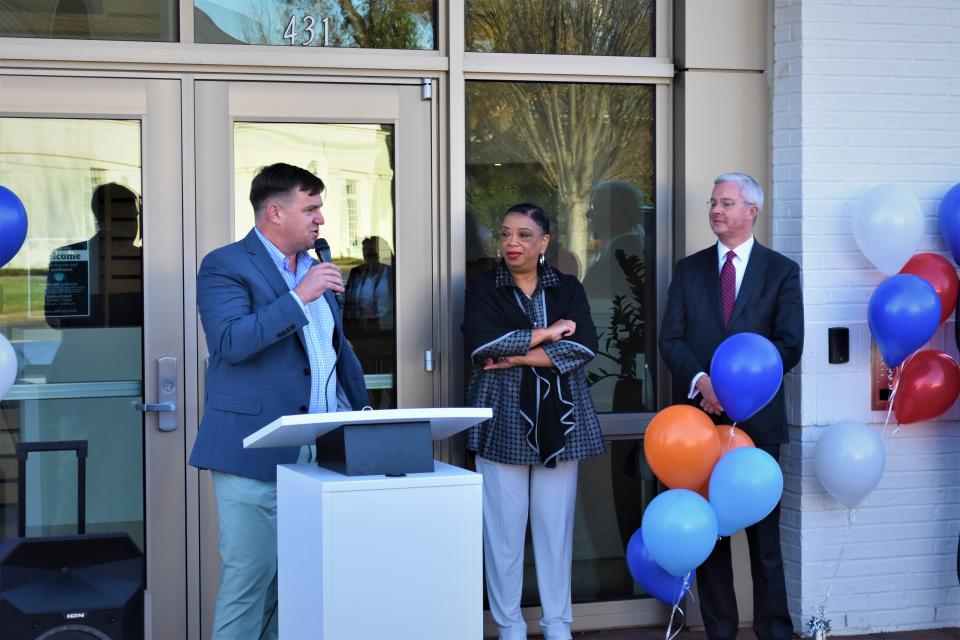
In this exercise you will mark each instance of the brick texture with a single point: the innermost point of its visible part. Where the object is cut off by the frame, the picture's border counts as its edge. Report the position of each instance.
(865, 92)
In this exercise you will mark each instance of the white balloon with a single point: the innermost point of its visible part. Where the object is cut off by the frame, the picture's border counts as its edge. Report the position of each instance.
(888, 227)
(8, 366)
(849, 459)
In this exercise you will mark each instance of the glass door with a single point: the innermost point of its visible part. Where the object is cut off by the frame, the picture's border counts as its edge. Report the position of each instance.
(87, 304)
(371, 145)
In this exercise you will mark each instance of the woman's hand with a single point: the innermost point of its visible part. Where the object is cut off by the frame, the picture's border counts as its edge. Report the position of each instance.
(561, 329)
(505, 362)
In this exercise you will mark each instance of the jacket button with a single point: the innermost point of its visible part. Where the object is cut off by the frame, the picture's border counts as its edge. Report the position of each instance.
(303, 408)
(306, 371)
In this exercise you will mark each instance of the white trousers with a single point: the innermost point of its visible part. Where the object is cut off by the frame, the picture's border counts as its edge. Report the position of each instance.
(510, 493)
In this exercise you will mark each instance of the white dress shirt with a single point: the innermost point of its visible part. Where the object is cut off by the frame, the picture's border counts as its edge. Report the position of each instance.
(740, 263)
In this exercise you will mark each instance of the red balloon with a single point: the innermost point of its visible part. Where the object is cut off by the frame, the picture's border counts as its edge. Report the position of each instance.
(928, 386)
(941, 275)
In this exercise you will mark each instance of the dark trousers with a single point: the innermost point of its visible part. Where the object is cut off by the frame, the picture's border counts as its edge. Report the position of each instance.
(718, 603)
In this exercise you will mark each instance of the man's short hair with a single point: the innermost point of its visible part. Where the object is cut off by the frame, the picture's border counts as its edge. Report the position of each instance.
(280, 179)
(750, 189)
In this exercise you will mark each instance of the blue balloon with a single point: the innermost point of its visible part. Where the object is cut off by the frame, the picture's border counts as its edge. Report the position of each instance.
(648, 574)
(745, 486)
(949, 214)
(679, 530)
(903, 314)
(746, 372)
(13, 225)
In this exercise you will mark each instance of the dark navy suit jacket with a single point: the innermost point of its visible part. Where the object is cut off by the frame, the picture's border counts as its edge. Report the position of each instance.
(258, 368)
(770, 303)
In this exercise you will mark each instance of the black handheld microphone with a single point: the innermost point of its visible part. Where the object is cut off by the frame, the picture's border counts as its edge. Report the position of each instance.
(322, 250)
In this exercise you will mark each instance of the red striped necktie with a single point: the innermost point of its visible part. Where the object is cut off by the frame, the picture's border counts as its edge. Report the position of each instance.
(728, 287)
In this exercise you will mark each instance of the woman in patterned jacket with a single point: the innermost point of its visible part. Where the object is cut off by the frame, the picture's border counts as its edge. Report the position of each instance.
(529, 333)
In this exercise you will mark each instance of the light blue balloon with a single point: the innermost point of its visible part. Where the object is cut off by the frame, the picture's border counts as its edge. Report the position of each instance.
(849, 460)
(903, 314)
(679, 530)
(746, 372)
(745, 486)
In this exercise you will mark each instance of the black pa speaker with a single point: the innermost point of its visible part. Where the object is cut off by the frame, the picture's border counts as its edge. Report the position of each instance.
(71, 587)
(82, 587)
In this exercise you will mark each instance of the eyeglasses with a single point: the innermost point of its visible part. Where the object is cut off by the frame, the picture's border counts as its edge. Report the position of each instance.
(726, 203)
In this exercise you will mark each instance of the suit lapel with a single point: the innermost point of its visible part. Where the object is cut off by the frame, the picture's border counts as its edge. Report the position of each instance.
(751, 279)
(711, 278)
(265, 265)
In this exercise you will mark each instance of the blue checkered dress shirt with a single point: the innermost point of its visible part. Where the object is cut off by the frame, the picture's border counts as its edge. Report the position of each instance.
(318, 332)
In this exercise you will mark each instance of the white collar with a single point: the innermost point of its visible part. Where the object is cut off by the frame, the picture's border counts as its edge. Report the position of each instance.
(743, 251)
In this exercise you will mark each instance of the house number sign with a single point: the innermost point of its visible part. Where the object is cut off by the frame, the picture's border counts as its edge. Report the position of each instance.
(309, 28)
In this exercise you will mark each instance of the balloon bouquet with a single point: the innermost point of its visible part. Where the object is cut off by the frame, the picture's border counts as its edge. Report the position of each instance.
(903, 313)
(13, 231)
(718, 482)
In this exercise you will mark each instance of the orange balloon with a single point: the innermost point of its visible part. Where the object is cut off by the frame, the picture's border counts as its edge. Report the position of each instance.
(728, 442)
(681, 446)
(738, 439)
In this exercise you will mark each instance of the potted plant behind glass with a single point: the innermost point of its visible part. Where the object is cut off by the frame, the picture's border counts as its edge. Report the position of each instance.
(623, 339)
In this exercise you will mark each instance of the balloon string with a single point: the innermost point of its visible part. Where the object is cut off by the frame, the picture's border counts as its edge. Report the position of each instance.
(851, 518)
(671, 634)
(730, 438)
(893, 395)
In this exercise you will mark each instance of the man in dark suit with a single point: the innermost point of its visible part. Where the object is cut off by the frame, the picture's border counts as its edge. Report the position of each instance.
(736, 286)
(275, 336)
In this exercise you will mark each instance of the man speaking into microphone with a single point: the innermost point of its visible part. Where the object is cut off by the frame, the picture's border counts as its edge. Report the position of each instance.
(275, 337)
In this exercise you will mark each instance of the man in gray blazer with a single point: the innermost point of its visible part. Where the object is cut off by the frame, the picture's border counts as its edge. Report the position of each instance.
(275, 337)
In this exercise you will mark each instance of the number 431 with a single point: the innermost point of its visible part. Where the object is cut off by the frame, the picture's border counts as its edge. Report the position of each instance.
(309, 29)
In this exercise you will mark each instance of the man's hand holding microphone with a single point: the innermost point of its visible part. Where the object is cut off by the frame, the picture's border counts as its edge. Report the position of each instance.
(322, 277)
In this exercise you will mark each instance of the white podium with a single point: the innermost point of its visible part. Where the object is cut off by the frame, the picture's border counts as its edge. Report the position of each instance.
(375, 557)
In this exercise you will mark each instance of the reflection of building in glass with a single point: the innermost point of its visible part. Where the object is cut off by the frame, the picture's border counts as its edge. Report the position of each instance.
(354, 161)
(398, 24)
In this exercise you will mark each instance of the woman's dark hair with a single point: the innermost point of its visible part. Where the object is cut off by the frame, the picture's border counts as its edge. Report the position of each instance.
(533, 212)
(281, 178)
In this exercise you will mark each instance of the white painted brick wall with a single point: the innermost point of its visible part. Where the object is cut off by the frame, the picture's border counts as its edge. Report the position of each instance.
(865, 92)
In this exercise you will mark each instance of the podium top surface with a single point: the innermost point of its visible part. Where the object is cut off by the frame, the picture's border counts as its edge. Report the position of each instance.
(292, 431)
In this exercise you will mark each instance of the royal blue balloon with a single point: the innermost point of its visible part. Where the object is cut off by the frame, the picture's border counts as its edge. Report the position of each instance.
(949, 214)
(648, 574)
(13, 225)
(745, 486)
(903, 313)
(746, 372)
(679, 530)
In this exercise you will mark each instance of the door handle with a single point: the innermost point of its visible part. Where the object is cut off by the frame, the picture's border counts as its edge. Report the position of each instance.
(159, 407)
(166, 405)
(428, 360)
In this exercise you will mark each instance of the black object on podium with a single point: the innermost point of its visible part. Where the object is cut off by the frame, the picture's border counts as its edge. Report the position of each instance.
(82, 586)
(391, 449)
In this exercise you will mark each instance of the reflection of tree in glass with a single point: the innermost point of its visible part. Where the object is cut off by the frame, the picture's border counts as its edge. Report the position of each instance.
(575, 135)
(625, 333)
(569, 27)
(379, 24)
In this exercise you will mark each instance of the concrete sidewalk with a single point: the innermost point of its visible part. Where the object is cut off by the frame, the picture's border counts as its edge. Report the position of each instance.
(655, 633)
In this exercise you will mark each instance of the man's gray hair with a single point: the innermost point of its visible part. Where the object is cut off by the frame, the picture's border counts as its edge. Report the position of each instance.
(750, 189)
